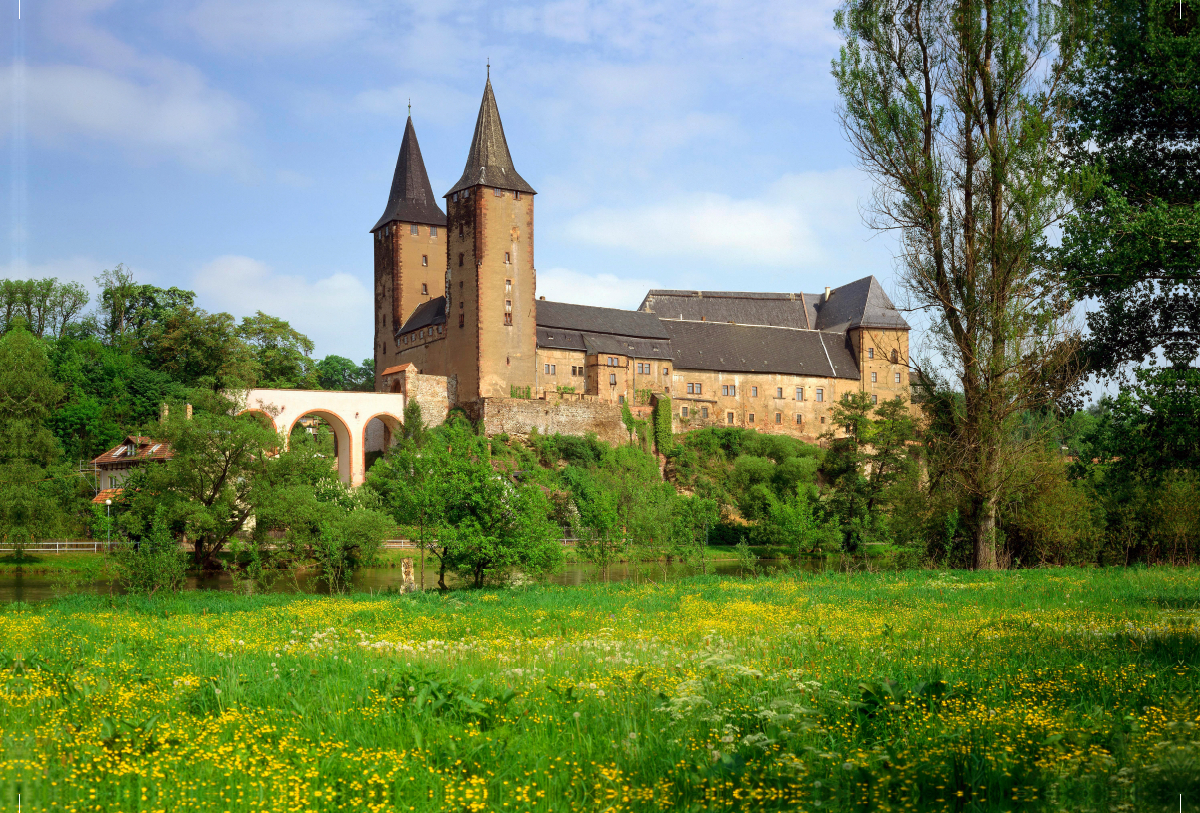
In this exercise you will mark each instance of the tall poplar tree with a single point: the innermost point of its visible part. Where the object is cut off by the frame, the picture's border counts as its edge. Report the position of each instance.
(955, 109)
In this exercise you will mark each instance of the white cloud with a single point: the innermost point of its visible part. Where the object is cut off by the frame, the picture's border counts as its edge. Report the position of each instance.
(334, 311)
(175, 112)
(801, 220)
(600, 290)
(277, 24)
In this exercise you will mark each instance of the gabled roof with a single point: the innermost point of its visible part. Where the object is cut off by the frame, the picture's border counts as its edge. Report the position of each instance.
(428, 313)
(857, 304)
(740, 307)
(134, 449)
(489, 162)
(730, 348)
(861, 303)
(589, 319)
(411, 199)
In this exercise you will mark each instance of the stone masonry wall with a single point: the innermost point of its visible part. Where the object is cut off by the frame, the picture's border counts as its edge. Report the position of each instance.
(562, 416)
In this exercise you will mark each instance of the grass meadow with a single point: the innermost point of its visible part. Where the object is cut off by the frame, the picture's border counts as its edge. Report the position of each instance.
(1024, 690)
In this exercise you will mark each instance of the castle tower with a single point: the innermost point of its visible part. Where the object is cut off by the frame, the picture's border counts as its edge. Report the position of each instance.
(490, 281)
(410, 242)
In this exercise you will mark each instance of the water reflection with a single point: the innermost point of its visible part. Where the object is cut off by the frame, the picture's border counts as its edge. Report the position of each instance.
(30, 587)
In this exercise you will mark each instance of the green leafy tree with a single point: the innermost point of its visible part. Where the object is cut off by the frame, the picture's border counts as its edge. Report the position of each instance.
(339, 373)
(152, 563)
(1133, 243)
(281, 354)
(956, 109)
(198, 348)
(28, 394)
(129, 308)
(46, 305)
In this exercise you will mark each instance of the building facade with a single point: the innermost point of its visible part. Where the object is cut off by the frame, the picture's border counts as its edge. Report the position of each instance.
(775, 362)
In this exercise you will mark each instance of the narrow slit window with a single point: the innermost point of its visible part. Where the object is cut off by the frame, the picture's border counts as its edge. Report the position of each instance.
(425, 289)
(424, 260)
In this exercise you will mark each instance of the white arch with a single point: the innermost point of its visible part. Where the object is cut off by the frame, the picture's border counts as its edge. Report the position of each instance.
(347, 412)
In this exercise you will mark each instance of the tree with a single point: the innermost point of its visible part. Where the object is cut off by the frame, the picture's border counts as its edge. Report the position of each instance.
(338, 373)
(46, 305)
(199, 348)
(414, 425)
(28, 394)
(1133, 244)
(955, 108)
(128, 308)
(280, 353)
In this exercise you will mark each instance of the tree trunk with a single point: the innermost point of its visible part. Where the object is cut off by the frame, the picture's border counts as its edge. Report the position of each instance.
(984, 557)
(442, 571)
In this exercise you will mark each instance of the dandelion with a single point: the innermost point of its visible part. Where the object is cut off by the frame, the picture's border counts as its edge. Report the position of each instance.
(575, 715)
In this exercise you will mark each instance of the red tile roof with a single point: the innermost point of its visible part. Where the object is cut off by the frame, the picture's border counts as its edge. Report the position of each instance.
(107, 494)
(134, 449)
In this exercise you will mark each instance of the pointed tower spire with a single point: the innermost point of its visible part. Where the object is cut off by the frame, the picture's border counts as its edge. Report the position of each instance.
(489, 162)
(411, 199)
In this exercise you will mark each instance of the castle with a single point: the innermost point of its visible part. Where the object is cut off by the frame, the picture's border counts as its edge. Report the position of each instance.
(458, 323)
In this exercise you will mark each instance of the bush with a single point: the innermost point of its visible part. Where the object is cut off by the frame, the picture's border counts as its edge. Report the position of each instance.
(153, 563)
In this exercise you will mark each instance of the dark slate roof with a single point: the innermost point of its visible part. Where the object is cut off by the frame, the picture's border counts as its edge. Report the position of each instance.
(625, 346)
(742, 307)
(489, 162)
(857, 304)
(411, 199)
(749, 349)
(588, 319)
(428, 313)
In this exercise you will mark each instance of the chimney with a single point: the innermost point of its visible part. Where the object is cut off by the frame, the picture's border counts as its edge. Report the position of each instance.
(828, 293)
(187, 411)
(164, 412)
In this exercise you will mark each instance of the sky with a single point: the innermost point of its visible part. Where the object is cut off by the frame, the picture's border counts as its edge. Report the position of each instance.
(243, 148)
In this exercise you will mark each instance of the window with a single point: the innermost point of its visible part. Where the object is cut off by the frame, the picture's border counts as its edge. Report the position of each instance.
(572, 369)
(691, 388)
(778, 417)
(666, 371)
(724, 389)
(516, 195)
(779, 392)
(620, 399)
(439, 330)
(870, 352)
(754, 392)
(895, 357)
(799, 419)
(547, 369)
(460, 230)
(414, 230)
(460, 261)
(822, 419)
(821, 397)
(704, 412)
(421, 335)
(751, 416)
(683, 412)
(874, 399)
(729, 418)
(612, 379)
(508, 286)
(729, 389)
(699, 389)
(553, 369)
(433, 231)
(799, 393)
(424, 289)
(454, 197)
(506, 258)
(897, 378)
(460, 320)
(424, 261)
(508, 311)
(498, 193)
(874, 377)
(466, 193)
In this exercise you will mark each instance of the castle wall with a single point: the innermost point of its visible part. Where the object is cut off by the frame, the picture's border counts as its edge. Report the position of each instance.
(562, 362)
(873, 350)
(408, 272)
(804, 417)
(566, 415)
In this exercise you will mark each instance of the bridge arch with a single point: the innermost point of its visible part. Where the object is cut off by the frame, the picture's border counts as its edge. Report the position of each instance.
(392, 426)
(343, 440)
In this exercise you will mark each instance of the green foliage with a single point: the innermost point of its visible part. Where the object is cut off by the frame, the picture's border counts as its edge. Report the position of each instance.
(47, 306)
(338, 373)
(519, 392)
(414, 425)
(280, 353)
(1133, 242)
(664, 441)
(153, 563)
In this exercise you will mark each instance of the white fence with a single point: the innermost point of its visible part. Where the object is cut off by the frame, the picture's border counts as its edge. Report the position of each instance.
(59, 546)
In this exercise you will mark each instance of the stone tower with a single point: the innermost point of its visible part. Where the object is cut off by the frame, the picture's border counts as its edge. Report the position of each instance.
(490, 279)
(410, 242)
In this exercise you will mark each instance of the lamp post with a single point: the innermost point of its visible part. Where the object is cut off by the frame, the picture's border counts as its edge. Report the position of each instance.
(108, 524)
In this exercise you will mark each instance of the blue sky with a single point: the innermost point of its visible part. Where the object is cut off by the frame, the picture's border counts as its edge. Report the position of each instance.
(243, 148)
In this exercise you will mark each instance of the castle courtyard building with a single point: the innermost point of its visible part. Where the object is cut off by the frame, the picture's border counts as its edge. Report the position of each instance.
(457, 315)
